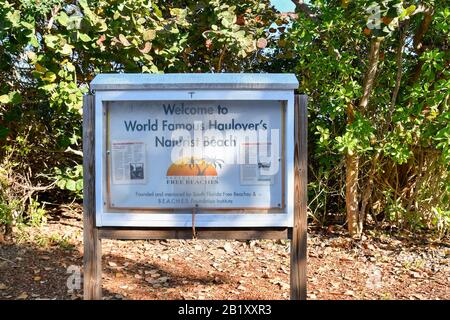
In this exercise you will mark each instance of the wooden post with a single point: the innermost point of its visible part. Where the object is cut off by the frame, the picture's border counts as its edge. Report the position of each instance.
(92, 260)
(299, 232)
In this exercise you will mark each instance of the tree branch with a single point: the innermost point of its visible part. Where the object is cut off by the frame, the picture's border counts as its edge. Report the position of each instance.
(417, 42)
(369, 78)
(222, 54)
(54, 12)
(423, 28)
(399, 61)
(303, 7)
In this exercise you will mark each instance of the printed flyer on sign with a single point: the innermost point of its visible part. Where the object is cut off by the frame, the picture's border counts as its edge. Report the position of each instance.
(128, 162)
(253, 169)
(185, 154)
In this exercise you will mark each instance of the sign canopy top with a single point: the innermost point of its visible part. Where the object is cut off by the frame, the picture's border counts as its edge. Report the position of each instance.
(186, 81)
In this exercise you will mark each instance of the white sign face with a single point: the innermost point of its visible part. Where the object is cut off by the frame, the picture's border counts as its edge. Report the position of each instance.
(205, 154)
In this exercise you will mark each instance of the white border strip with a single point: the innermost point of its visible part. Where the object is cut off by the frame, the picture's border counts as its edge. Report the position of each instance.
(203, 218)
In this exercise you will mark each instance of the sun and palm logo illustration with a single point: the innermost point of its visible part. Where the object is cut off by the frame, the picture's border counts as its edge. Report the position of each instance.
(193, 166)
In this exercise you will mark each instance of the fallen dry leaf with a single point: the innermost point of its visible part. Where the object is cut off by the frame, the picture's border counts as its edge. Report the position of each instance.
(22, 296)
(228, 248)
(349, 293)
(164, 257)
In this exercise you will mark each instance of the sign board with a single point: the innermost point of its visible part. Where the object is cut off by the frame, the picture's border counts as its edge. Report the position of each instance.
(229, 150)
(219, 144)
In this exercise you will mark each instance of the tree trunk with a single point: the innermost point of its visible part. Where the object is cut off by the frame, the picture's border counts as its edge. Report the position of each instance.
(351, 194)
(355, 224)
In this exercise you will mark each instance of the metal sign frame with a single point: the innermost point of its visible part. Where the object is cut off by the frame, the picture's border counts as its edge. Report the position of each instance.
(207, 218)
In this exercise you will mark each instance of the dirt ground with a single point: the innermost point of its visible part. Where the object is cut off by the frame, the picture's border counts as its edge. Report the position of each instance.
(44, 263)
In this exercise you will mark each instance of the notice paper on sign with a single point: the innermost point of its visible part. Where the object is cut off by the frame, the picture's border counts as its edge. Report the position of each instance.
(128, 162)
(253, 170)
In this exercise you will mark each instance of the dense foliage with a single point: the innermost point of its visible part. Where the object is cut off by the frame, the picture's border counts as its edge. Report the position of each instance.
(378, 79)
(50, 50)
(376, 73)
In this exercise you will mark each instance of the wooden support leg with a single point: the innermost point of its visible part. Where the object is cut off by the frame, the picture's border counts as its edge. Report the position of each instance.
(92, 259)
(299, 232)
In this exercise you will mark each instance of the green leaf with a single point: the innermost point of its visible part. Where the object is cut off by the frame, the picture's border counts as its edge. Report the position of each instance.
(48, 87)
(51, 41)
(71, 185)
(84, 37)
(79, 185)
(15, 97)
(4, 99)
(156, 10)
(70, 67)
(66, 49)
(61, 183)
(33, 40)
(177, 12)
(14, 18)
(49, 76)
(3, 132)
(228, 19)
(149, 35)
(63, 19)
(27, 25)
(408, 11)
